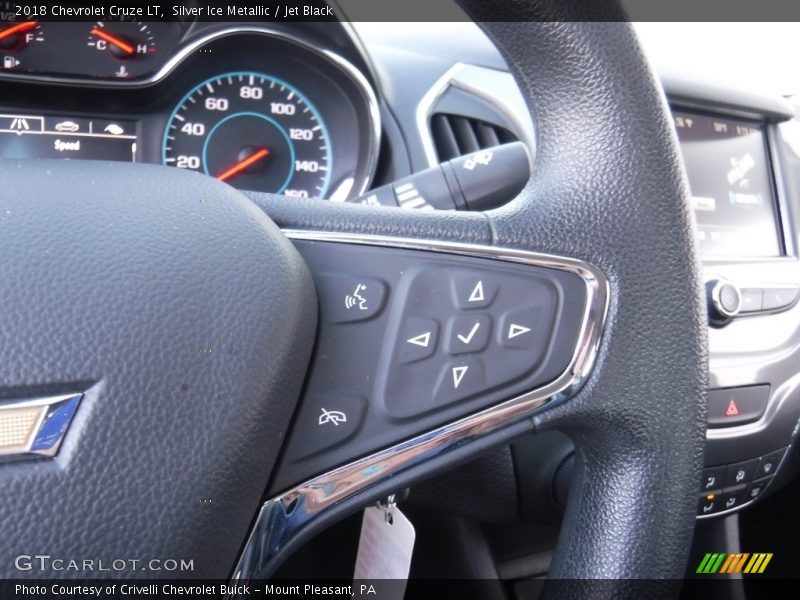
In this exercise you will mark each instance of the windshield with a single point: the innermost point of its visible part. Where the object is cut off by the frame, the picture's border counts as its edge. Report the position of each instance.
(759, 57)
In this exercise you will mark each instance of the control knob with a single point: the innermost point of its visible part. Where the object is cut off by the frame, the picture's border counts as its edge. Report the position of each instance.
(724, 300)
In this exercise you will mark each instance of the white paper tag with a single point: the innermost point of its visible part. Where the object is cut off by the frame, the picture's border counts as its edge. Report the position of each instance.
(384, 550)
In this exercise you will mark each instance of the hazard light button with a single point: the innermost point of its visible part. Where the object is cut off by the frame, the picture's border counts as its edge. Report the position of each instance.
(736, 406)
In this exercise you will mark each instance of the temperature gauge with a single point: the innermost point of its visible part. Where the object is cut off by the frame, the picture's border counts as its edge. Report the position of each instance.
(124, 48)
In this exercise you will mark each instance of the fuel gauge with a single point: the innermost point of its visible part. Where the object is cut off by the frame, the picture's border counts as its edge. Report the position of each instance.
(16, 36)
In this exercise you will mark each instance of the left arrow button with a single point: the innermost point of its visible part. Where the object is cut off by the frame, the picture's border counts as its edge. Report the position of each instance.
(418, 339)
(423, 339)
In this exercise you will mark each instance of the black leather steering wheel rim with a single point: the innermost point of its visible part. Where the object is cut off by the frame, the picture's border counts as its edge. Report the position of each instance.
(608, 188)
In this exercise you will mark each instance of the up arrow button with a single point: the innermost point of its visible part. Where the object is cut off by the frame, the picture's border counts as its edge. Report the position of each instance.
(473, 289)
(477, 294)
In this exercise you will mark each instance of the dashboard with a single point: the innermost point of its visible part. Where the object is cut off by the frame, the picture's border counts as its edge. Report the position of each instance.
(741, 164)
(262, 109)
(311, 114)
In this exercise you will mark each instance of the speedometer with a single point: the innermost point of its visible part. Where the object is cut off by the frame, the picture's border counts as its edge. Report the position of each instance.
(253, 131)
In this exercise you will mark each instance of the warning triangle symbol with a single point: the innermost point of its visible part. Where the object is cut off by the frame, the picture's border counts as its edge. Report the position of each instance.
(477, 293)
(733, 410)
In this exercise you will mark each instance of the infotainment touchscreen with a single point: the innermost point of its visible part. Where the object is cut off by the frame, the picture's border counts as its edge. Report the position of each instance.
(731, 185)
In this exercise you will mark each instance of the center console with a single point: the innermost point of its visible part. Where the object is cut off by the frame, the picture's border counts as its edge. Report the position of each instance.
(742, 158)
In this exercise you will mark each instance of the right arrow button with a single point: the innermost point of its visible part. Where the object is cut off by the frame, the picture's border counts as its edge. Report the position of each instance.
(521, 343)
(520, 329)
(515, 330)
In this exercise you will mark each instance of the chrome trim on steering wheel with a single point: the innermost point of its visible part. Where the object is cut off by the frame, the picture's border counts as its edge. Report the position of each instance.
(285, 516)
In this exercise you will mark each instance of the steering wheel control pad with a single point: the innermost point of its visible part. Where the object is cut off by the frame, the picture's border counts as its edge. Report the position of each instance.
(496, 329)
(410, 339)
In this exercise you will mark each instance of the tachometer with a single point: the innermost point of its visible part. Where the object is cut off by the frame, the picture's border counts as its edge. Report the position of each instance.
(254, 131)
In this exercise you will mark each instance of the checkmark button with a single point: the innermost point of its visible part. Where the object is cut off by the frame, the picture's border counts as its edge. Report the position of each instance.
(468, 333)
(466, 339)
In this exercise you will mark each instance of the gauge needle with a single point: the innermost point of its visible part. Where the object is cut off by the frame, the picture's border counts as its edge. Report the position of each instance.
(112, 39)
(18, 28)
(243, 164)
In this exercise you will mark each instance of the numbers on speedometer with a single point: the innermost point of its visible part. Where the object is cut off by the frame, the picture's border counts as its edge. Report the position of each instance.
(253, 131)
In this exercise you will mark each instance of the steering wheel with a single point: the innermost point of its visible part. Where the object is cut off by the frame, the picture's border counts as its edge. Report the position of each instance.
(184, 319)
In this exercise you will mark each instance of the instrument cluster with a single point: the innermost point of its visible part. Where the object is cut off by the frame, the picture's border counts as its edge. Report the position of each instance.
(261, 109)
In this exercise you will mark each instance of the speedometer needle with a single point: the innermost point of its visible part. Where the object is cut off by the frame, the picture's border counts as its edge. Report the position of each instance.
(112, 39)
(243, 164)
(18, 28)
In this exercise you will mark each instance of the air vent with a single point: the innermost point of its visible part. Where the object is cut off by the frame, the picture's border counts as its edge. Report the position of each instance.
(455, 135)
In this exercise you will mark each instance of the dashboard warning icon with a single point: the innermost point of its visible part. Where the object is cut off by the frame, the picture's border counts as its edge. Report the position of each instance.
(733, 410)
